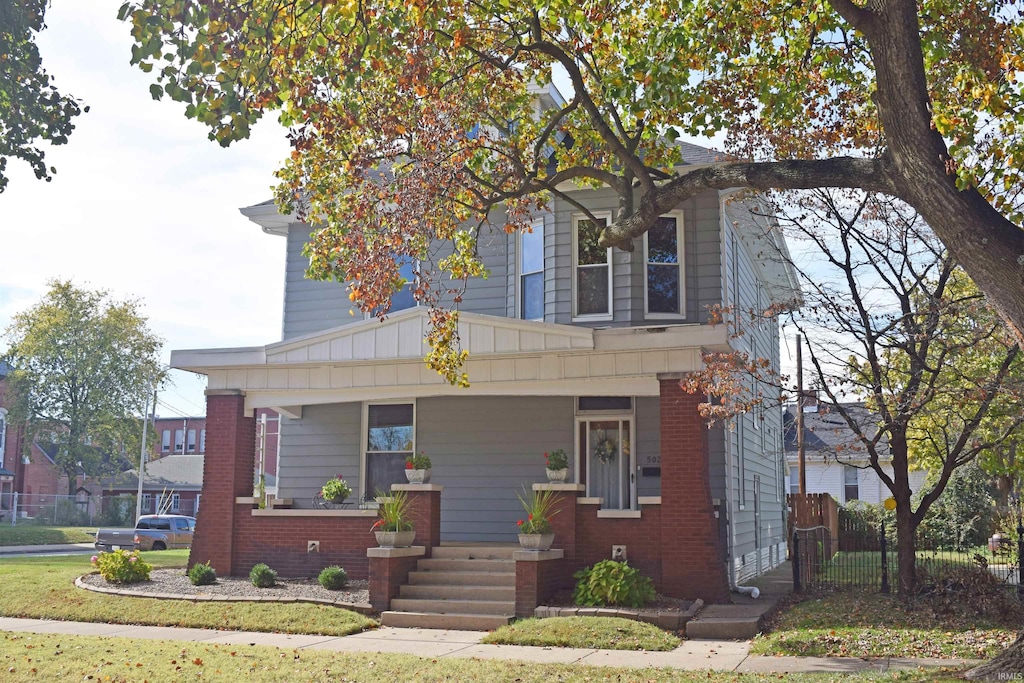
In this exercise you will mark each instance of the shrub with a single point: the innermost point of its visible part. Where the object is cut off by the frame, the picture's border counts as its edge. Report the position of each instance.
(333, 578)
(612, 583)
(962, 517)
(122, 566)
(202, 575)
(263, 576)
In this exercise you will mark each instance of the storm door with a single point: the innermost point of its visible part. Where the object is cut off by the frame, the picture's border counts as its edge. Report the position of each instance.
(606, 457)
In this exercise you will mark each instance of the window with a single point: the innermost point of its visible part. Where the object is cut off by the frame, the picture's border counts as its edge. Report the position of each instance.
(531, 273)
(794, 480)
(404, 298)
(592, 265)
(663, 253)
(175, 502)
(191, 441)
(605, 403)
(179, 440)
(851, 483)
(165, 441)
(180, 524)
(390, 438)
(147, 504)
(734, 257)
(202, 440)
(196, 511)
(741, 460)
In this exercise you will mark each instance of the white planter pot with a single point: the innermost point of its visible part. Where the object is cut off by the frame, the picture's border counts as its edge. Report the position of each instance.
(418, 476)
(395, 539)
(558, 475)
(536, 541)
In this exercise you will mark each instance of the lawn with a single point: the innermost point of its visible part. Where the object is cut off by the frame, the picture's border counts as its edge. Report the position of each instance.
(43, 588)
(29, 534)
(47, 657)
(606, 633)
(867, 624)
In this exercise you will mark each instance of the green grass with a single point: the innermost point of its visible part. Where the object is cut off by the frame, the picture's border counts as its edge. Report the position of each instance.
(43, 588)
(28, 534)
(856, 624)
(606, 633)
(48, 657)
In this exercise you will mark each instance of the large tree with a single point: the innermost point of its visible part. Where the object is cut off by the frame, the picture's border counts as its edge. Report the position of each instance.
(31, 108)
(893, 326)
(411, 119)
(82, 367)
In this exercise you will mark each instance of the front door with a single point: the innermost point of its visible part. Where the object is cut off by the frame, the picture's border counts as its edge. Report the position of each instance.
(607, 461)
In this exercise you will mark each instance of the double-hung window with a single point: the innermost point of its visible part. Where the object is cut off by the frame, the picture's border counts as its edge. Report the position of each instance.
(191, 441)
(851, 483)
(165, 441)
(592, 266)
(179, 440)
(390, 439)
(202, 440)
(664, 291)
(531, 272)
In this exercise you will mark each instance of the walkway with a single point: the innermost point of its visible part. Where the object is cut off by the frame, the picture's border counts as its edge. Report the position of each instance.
(719, 655)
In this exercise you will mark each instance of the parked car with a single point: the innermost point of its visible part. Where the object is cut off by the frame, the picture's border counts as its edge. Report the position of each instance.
(151, 532)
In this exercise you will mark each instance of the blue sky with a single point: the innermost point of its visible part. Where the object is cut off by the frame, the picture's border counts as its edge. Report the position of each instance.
(143, 205)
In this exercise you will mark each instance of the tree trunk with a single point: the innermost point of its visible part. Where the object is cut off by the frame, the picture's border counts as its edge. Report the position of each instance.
(1007, 666)
(906, 549)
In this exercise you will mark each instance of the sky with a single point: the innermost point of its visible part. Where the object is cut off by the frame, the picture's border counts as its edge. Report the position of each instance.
(143, 205)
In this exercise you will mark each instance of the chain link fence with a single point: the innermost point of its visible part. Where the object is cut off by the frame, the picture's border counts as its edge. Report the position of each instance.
(85, 510)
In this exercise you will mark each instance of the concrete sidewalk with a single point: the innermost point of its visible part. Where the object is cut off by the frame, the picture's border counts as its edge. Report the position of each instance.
(719, 655)
(52, 548)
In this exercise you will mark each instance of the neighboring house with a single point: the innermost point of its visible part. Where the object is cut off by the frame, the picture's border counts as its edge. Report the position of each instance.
(835, 464)
(574, 348)
(174, 482)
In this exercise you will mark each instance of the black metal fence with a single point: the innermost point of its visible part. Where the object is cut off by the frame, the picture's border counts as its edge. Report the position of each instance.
(864, 557)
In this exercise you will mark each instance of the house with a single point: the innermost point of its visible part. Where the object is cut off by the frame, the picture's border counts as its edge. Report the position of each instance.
(833, 462)
(578, 349)
(173, 483)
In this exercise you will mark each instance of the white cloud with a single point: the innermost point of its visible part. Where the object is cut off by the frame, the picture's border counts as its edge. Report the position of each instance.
(143, 205)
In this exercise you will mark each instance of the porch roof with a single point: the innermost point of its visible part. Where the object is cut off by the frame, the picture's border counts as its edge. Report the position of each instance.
(378, 360)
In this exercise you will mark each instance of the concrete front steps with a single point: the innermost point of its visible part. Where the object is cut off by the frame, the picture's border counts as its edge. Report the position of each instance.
(468, 588)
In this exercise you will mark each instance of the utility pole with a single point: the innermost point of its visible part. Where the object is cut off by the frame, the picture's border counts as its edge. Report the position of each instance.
(801, 459)
(142, 454)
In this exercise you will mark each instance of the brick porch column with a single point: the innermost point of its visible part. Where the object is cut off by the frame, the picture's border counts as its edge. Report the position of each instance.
(389, 569)
(563, 523)
(426, 512)
(227, 474)
(691, 555)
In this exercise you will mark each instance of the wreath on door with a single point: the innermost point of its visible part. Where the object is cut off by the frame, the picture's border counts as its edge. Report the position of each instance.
(606, 450)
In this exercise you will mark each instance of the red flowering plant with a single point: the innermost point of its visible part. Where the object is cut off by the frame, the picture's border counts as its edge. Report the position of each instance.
(418, 461)
(556, 460)
(394, 512)
(540, 508)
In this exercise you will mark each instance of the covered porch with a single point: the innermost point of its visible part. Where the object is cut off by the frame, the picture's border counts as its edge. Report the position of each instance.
(357, 400)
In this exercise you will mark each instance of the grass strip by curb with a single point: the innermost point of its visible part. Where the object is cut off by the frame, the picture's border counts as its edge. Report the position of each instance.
(603, 633)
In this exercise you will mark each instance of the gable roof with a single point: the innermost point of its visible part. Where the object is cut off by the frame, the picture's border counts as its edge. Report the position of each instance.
(827, 434)
(171, 472)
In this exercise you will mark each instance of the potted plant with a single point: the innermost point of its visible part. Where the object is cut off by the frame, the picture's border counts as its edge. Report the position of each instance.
(557, 465)
(417, 468)
(535, 531)
(336, 490)
(393, 527)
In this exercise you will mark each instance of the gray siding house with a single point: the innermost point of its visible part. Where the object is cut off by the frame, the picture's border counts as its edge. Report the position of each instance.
(571, 347)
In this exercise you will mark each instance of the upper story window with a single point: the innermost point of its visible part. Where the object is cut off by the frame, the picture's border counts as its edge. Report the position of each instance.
(592, 266)
(531, 273)
(191, 441)
(165, 441)
(663, 254)
(403, 298)
(179, 440)
(202, 440)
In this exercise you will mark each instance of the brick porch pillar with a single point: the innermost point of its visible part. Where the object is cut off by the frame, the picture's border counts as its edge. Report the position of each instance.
(426, 512)
(227, 474)
(563, 523)
(691, 557)
(389, 569)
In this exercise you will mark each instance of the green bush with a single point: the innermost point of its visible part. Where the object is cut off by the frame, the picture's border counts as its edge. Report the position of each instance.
(963, 516)
(122, 566)
(202, 575)
(612, 583)
(333, 578)
(117, 511)
(263, 576)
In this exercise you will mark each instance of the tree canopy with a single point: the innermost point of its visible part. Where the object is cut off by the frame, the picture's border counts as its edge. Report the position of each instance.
(82, 367)
(410, 121)
(31, 107)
